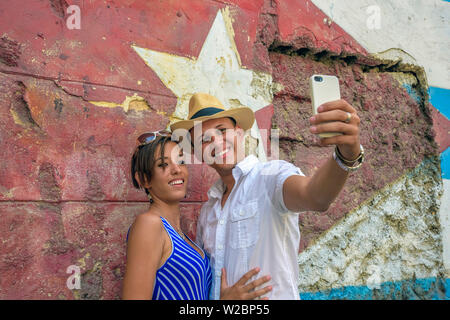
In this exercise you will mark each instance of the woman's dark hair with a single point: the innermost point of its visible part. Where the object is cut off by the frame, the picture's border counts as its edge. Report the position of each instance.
(143, 161)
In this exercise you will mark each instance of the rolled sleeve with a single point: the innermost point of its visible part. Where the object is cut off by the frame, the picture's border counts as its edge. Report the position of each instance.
(280, 170)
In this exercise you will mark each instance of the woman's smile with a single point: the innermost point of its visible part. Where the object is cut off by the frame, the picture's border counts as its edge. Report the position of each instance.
(176, 183)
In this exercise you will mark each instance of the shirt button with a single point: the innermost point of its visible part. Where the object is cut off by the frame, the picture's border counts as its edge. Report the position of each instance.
(221, 221)
(241, 213)
(220, 247)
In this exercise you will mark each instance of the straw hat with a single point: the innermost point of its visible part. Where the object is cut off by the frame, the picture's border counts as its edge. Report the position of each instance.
(203, 107)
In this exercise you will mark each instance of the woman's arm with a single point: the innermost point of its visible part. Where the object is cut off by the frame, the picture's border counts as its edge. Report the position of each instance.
(144, 252)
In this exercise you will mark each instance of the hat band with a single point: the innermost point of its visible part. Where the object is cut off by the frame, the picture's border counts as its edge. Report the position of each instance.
(206, 112)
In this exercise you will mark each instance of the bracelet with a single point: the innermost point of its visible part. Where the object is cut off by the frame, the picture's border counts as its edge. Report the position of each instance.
(346, 161)
(337, 157)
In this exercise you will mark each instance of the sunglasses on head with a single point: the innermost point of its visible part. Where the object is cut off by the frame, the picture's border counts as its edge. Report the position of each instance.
(148, 137)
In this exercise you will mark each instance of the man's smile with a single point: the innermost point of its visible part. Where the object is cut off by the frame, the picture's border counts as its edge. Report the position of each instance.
(223, 153)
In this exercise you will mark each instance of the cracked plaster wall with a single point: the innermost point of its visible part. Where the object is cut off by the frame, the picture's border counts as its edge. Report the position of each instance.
(70, 108)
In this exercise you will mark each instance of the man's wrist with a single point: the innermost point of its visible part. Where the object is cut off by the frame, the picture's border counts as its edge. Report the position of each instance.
(347, 164)
(352, 160)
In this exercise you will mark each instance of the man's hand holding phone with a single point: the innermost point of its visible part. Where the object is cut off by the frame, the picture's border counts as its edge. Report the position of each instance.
(338, 116)
(334, 119)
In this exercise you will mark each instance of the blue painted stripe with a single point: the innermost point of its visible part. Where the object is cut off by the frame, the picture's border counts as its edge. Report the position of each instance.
(414, 289)
(440, 99)
(445, 164)
(412, 92)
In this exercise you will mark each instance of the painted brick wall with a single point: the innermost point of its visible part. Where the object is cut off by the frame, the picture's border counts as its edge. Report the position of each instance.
(72, 102)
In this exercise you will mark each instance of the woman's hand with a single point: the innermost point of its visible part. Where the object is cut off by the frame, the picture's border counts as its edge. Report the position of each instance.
(242, 290)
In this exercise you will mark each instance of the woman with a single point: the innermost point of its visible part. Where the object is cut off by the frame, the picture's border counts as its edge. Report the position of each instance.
(162, 262)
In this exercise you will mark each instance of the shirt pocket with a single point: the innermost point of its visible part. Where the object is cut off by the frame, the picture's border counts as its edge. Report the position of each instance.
(244, 225)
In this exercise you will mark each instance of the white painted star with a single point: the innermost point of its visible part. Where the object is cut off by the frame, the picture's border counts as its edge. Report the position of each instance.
(216, 71)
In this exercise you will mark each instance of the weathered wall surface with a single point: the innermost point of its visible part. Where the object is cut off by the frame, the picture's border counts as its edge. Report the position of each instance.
(409, 34)
(72, 102)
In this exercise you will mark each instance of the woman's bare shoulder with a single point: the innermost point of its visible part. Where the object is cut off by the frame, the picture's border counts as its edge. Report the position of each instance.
(147, 225)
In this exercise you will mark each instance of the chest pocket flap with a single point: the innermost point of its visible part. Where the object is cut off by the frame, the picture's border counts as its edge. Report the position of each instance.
(244, 225)
(246, 211)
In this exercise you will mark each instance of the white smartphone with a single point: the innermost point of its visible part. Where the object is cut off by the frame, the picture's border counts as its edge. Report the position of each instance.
(323, 88)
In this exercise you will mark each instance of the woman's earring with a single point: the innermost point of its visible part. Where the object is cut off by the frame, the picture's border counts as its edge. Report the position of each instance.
(150, 198)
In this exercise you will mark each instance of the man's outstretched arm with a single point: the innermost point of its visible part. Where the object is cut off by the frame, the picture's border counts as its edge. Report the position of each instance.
(317, 192)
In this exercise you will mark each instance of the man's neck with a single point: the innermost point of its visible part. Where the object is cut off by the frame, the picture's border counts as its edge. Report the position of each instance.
(227, 177)
(228, 181)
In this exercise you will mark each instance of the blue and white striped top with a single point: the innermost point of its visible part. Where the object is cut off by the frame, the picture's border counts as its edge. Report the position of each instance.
(185, 275)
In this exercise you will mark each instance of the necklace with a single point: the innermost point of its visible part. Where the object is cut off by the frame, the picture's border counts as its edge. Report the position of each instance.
(178, 230)
(180, 233)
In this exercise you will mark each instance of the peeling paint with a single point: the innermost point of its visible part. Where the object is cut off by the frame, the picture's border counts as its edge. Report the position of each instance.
(82, 261)
(134, 102)
(393, 233)
(17, 119)
(10, 51)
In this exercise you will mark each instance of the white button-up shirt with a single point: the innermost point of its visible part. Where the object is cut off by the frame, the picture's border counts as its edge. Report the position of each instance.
(253, 229)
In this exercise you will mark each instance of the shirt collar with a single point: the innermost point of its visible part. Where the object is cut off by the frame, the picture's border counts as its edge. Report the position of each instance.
(241, 169)
(245, 166)
(216, 191)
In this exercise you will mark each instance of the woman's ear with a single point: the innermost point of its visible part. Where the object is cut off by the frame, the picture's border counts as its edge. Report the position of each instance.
(145, 185)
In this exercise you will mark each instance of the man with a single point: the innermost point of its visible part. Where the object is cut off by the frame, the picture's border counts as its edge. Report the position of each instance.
(250, 219)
